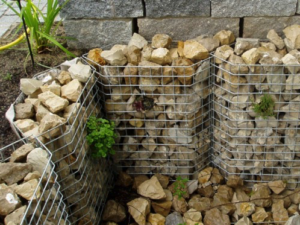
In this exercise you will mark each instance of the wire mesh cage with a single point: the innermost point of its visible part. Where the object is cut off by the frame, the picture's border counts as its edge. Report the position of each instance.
(161, 113)
(29, 183)
(256, 120)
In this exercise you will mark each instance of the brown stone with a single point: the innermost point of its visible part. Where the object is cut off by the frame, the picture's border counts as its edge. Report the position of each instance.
(207, 191)
(277, 186)
(9, 201)
(225, 37)
(11, 173)
(204, 175)
(125, 179)
(184, 69)
(198, 203)
(260, 215)
(114, 211)
(139, 180)
(234, 181)
(216, 177)
(261, 195)
(163, 180)
(179, 205)
(162, 208)
(161, 41)
(280, 214)
(223, 204)
(130, 73)
(24, 111)
(21, 153)
(95, 56)
(194, 50)
(133, 55)
(216, 217)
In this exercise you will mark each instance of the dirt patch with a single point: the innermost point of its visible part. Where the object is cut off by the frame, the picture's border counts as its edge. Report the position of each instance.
(15, 64)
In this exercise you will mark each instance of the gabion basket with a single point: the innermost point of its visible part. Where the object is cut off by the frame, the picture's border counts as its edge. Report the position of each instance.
(259, 145)
(46, 204)
(161, 114)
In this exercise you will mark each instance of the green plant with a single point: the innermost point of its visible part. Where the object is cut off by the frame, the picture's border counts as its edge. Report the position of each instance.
(180, 187)
(7, 77)
(101, 136)
(265, 107)
(184, 223)
(41, 36)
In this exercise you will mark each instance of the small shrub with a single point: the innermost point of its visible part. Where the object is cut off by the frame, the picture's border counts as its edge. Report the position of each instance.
(101, 136)
(7, 77)
(180, 187)
(266, 106)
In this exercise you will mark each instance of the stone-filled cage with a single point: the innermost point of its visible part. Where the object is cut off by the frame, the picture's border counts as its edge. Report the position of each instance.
(256, 121)
(162, 116)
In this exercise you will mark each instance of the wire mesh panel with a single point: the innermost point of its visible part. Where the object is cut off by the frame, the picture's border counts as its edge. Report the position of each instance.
(256, 120)
(29, 184)
(161, 115)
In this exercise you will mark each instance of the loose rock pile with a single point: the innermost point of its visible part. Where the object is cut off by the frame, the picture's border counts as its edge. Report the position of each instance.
(209, 200)
(158, 96)
(25, 179)
(244, 141)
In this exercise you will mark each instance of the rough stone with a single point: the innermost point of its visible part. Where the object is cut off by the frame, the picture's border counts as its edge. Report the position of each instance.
(245, 44)
(244, 8)
(25, 125)
(138, 41)
(29, 86)
(174, 218)
(225, 37)
(105, 35)
(54, 87)
(216, 217)
(180, 8)
(292, 34)
(114, 212)
(133, 55)
(198, 203)
(139, 208)
(80, 72)
(280, 214)
(277, 186)
(114, 57)
(260, 215)
(223, 53)
(130, 73)
(261, 196)
(275, 39)
(161, 41)
(179, 204)
(193, 215)
(184, 73)
(71, 111)
(21, 153)
(162, 208)
(186, 28)
(245, 208)
(194, 50)
(51, 121)
(207, 191)
(161, 56)
(91, 9)
(39, 160)
(64, 77)
(94, 55)
(192, 186)
(204, 175)
(251, 56)
(16, 216)
(125, 179)
(24, 111)
(258, 27)
(149, 68)
(9, 201)
(244, 221)
(209, 42)
(156, 219)
(223, 204)
(41, 112)
(33, 175)
(11, 173)
(53, 102)
(29, 190)
(293, 220)
(163, 180)
(151, 189)
(148, 84)
(234, 181)
(72, 90)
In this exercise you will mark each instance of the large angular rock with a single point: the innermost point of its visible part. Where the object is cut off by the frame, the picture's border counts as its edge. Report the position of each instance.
(16, 216)
(186, 28)
(25, 125)
(174, 218)
(114, 212)
(53, 87)
(194, 50)
(260, 215)
(11, 173)
(114, 57)
(39, 160)
(184, 70)
(29, 86)
(41, 112)
(9, 201)
(49, 122)
(72, 90)
(244, 8)
(280, 214)
(156, 219)
(277, 186)
(24, 111)
(209, 42)
(133, 54)
(29, 190)
(80, 72)
(138, 41)
(244, 221)
(225, 37)
(292, 34)
(204, 175)
(261, 196)
(139, 208)
(223, 53)
(244, 44)
(216, 217)
(200, 204)
(180, 8)
(161, 56)
(149, 68)
(91, 9)
(21, 153)
(151, 189)
(161, 41)
(53, 102)
(64, 77)
(275, 39)
(179, 204)
(105, 35)
(162, 208)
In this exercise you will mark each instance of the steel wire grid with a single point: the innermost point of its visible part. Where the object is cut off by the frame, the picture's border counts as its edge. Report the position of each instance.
(256, 148)
(46, 204)
(162, 116)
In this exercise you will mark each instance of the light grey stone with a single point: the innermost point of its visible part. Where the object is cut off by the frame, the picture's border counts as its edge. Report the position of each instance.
(174, 218)
(186, 28)
(97, 9)
(243, 8)
(298, 7)
(258, 27)
(97, 33)
(178, 8)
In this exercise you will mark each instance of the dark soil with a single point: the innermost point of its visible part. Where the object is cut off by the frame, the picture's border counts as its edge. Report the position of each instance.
(15, 64)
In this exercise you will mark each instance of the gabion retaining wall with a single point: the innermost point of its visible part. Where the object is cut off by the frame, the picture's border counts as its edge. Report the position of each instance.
(246, 144)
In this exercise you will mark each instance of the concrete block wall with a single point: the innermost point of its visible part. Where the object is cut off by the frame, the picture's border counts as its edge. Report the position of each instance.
(103, 23)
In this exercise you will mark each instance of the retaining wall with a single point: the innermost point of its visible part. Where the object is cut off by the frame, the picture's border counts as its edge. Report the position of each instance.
(103, 23)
